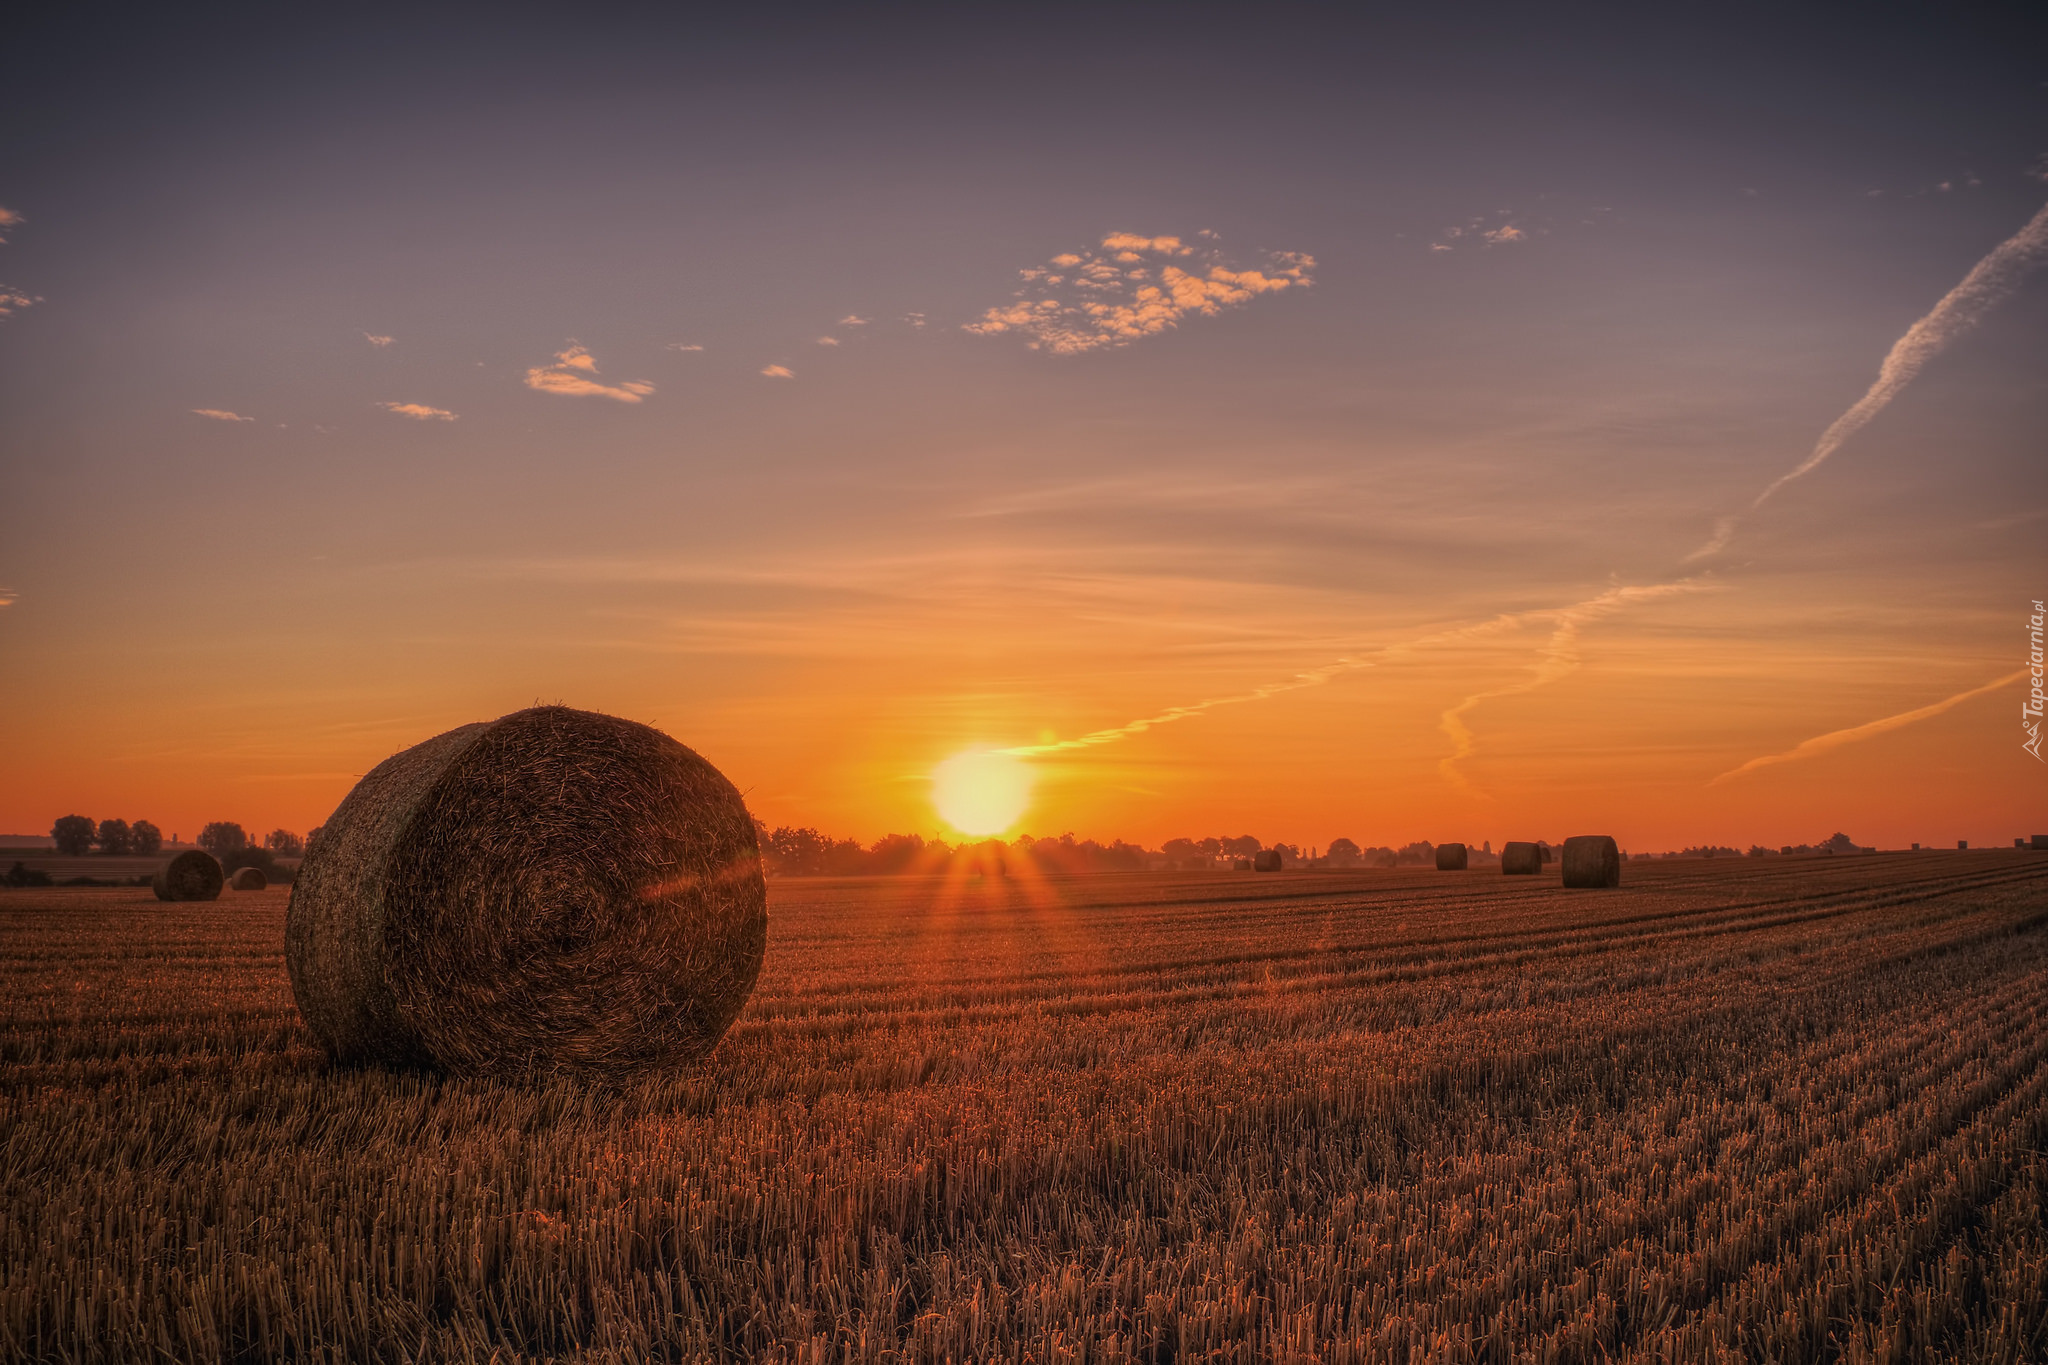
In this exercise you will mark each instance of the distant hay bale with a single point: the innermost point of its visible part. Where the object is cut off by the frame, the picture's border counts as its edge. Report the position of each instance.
(193, 875)
(2040, 843)
(553, 889)
(1520, 859)
(1591, 860)
(1450, 857)
(1266, 860)
(248, 879)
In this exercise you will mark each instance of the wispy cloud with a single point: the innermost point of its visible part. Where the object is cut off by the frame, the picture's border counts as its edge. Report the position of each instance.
(1558, 658)
(1487, 230)
(683, 346)
(12, 301)
(222, 415)
(1990, 282)
(378, 341)
(573, 375)
(419, 412)
(778, 372)
(853, 320)
(1132, 287)
(1835, 739)
(828, 341)
(8, 597)
(9, 220)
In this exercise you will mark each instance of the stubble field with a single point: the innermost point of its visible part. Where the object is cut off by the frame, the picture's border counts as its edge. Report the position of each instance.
(1788, 1109)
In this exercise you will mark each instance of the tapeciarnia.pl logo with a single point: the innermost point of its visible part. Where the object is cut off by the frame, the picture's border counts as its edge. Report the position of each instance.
(2030, 709)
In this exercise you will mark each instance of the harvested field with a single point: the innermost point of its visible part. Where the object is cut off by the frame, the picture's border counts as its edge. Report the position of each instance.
(1777, 1109)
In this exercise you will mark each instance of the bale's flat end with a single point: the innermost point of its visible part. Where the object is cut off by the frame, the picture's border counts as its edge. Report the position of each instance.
(1591, 860)
(1520, 859)
(193, 875)
(1451, 857)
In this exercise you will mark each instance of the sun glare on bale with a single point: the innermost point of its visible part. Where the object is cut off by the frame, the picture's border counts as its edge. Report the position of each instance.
(981, 793)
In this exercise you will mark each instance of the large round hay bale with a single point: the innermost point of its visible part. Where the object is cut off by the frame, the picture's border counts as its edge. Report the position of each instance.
(553, 889)
(1520, 859)
(1450, 857)
(1266, 860)
(248, 879)
(1591, 860)
(193, 875)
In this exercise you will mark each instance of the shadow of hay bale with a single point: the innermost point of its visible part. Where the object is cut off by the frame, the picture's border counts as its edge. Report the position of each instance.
(553, 890)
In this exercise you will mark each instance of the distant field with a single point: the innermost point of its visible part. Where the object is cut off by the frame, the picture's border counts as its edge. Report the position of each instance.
(1782, 1109)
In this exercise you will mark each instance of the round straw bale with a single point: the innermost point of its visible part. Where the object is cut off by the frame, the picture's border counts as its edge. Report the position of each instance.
(248, 879)
(1520, 859)
(1450, 857)
(193, 875)
(1591, 860)
(553, 889)
(1266, 860)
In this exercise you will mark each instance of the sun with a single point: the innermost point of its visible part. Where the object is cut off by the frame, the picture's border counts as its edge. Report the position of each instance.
(981, 792)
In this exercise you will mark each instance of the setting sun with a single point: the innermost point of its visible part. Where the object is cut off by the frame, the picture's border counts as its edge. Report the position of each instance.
(980, 792)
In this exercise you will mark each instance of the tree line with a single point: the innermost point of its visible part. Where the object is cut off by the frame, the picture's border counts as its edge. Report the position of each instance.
(804, 852)
(79, 835)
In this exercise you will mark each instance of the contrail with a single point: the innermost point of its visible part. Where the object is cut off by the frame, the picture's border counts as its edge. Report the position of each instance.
(1835, 739)
(1560, 657)
(1989, 284)
(1312, 678)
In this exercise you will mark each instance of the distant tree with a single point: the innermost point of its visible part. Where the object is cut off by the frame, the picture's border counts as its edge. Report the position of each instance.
(313, 836)
(284, 843)
(146, 839)
(73, 835)
(895, 852)
(115, 838)
(1342, 852)
(222, 837)
(23, 875)
(1243, 846)
(1181, 850)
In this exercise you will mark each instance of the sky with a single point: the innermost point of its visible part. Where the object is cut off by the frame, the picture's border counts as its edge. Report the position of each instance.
(1248, 420)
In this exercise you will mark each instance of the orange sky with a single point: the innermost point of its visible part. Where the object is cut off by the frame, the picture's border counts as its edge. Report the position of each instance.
(837, 431)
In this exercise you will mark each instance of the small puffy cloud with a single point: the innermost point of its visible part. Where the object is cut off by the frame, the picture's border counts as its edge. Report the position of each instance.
(378, 341)
(222, 415)
(572, 376)
(1165, 246)
(9, 220)
(853, 320)
(828, 341)
(419, 412)
(683, 346)
(12, 301)
(914, 319)
(1505, 233)
(1133, 287)
(778, 372)
(8, 597)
